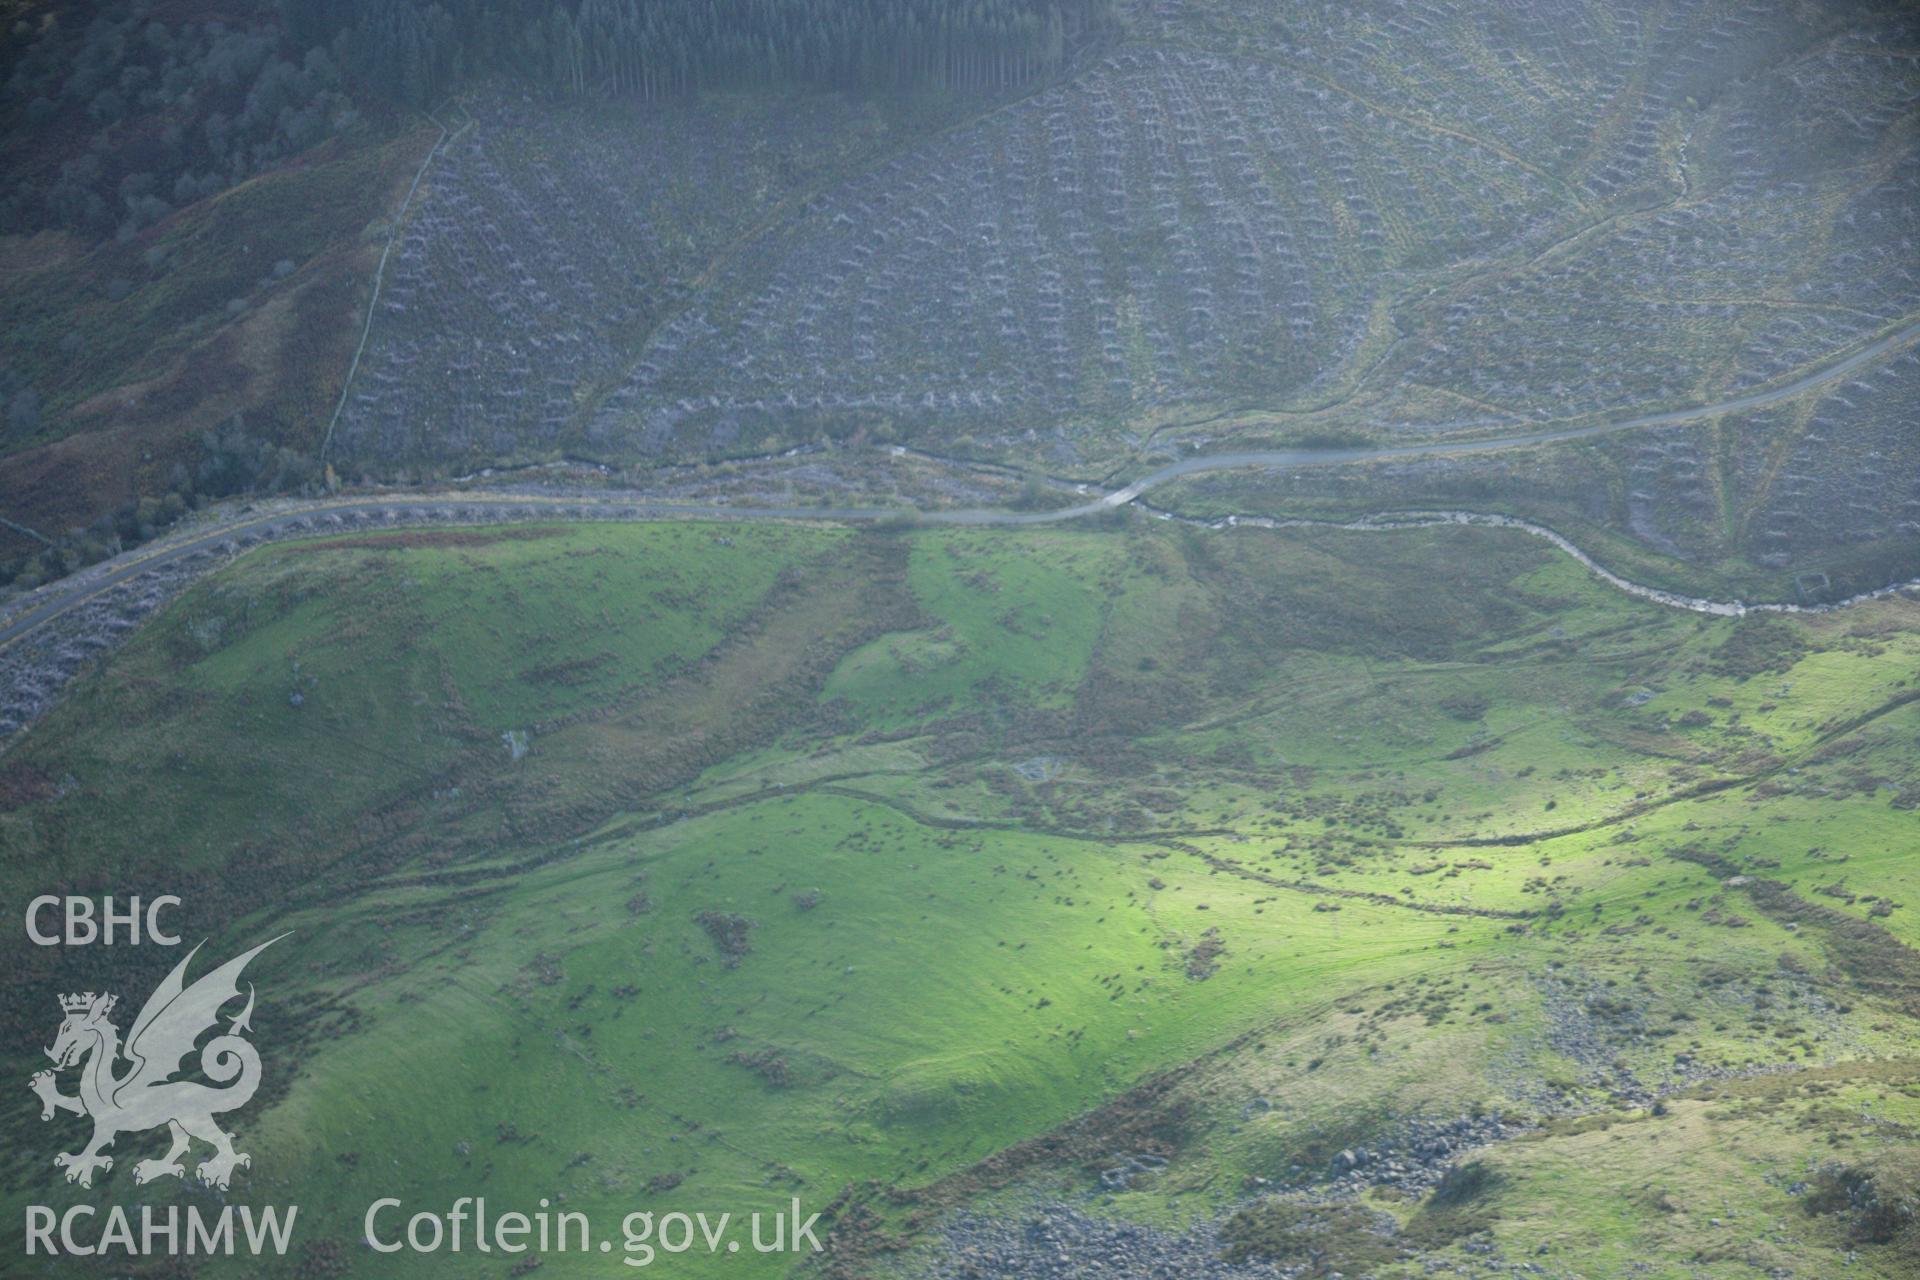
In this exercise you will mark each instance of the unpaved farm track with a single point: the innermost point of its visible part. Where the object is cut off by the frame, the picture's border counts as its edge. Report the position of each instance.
(56, 631)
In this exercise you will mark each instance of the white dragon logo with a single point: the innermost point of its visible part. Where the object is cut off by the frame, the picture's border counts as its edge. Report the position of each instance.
(146, 1096)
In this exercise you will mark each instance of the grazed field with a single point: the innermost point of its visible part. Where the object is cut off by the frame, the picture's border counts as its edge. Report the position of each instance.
(1231, 886)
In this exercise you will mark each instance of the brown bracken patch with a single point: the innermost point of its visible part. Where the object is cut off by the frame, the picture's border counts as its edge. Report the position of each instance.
(24, 784)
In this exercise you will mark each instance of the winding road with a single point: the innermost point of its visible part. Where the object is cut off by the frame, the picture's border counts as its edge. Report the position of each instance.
(322, 516)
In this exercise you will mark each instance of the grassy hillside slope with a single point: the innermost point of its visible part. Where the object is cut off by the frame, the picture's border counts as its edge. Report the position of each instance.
(945, 878)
